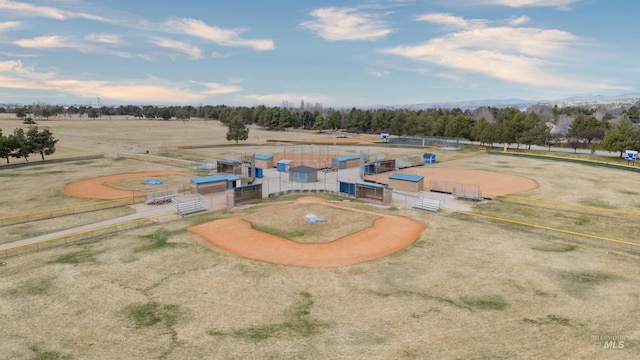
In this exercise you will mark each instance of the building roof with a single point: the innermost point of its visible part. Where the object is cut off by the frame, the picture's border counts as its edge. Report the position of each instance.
(263, 157)
(285, 161)
(406, 177)
(303, 169)
(214, 178)
(347, 157)
(230, 162)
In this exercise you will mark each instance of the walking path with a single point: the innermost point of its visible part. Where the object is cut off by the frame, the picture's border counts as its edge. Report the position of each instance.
(167, 209)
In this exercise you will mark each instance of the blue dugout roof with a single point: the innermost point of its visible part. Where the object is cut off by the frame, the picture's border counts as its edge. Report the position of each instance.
(406, 177)
(214, 178)
(263, 157)
(347, 157)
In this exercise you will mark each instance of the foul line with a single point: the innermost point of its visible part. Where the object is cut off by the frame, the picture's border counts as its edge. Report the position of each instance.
(544, 227)
(552, 202)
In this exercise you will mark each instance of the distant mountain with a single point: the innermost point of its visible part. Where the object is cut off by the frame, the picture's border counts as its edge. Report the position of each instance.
(621, 100)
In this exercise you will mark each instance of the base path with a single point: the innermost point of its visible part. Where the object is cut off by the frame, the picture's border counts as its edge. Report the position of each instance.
(389, 234)
(95, 188)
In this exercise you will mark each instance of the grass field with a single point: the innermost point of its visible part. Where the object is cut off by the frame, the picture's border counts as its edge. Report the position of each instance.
(466, 289)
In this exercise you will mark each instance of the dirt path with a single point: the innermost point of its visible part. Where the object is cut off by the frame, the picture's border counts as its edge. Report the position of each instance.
(388, 234)
(95, 188)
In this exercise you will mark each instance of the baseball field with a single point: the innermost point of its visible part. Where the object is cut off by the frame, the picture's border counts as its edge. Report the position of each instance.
(453, 285)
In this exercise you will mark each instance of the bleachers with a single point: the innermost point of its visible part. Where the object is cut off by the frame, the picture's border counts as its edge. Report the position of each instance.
(427, 204)
(161, 197)
(189, 204)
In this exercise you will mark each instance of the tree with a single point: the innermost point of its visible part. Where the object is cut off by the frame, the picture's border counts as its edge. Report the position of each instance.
(183, 114)
(7, 146)
(149, 112)
(93, 113)
(237, 130)
(308, 120)
(41, 142)
(587, 128)
(334, 120)
(320, 123)
(622, 138)
(21, 112)
(22, 146)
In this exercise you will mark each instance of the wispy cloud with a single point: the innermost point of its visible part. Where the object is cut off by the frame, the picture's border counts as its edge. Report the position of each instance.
(26, 9)
(192, 51)
(560, 4)
(346, 24)
(8, 25)
(14, 75)
(516, 54)
(450, 20)
(50, 42)
(112, 39)
(220, 36)
(519, 20)
(66, 42)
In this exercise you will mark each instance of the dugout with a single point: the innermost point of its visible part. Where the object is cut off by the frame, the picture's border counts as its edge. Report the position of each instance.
(345, 161)
(429, 158)
(246, 193)
(379, 166)
(284, 165)
(303, 174)
(264, 161)
(229, 167)
(214, 183)
(366, 191)
(406, 182)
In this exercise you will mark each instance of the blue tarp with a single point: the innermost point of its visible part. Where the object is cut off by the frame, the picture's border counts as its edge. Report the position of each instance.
(315, 219)
(154, 182)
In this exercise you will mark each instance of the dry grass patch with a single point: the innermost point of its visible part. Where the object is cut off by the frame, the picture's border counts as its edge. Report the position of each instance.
(290, 223)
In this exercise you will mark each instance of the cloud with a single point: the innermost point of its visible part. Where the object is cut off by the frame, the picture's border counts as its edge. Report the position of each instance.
(560, 4)
(450, 20)
(519, 20)
(112, 39)
(49, 42)
(220, 36)
(14, 75)
(516, 54)
(193, 51)
(8, 25)
(60, 42)
(26, 9)
(346, 24)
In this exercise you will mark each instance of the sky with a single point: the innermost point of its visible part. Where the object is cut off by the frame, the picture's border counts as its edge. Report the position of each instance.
(338, 53)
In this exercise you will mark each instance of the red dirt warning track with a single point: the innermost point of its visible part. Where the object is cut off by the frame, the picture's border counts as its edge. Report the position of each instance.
(388, 234)
(95, 188)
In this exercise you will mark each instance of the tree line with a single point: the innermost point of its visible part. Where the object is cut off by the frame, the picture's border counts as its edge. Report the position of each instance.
(21, 144)
(542, 125)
